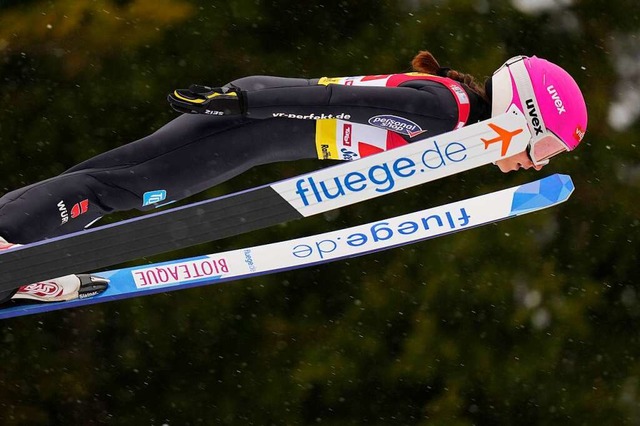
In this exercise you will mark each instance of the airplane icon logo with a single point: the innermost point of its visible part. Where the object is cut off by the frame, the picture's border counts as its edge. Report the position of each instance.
(504, 136)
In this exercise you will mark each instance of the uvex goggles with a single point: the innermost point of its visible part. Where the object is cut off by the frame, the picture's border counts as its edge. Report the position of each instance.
(544, 144)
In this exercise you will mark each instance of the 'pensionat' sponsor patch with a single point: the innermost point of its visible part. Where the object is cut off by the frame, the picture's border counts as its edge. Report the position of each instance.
(396, 124)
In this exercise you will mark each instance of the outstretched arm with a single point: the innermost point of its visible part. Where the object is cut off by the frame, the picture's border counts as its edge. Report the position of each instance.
(429, 109)
(353, 103)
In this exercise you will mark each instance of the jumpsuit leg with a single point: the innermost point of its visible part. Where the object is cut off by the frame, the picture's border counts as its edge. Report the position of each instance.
(188, 155)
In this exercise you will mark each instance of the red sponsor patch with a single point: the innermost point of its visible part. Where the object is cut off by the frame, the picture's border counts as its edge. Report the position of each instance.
(347, 131)
(578, 133)
(79, 208)
(365, 149)
(42, 289)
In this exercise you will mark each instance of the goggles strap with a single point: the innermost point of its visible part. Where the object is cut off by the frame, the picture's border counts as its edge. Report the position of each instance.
(527, 96)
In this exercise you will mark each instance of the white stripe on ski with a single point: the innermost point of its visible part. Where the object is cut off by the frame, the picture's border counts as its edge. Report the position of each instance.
(406, 166)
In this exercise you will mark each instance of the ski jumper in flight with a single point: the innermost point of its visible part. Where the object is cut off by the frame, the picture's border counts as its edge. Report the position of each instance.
(257, 120)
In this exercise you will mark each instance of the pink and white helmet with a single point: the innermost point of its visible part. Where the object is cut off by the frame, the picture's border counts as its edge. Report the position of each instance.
(549, 98)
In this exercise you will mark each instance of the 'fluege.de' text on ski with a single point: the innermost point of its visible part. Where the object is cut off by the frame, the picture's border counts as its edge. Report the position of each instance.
(383, 176)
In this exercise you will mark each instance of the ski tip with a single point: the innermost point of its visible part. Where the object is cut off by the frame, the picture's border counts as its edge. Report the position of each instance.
(542, 193)
(566, 180)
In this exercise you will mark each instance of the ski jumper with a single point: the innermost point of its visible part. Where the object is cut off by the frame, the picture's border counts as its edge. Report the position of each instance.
(287, 119)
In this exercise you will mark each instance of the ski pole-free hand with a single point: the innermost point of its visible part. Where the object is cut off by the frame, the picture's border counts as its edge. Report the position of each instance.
(207, 100)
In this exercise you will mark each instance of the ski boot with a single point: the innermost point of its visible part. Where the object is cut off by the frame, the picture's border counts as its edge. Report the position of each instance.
(59, 289)
(64, 288)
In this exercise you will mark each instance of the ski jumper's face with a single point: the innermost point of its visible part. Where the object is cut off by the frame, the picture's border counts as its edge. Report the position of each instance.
(517, 162)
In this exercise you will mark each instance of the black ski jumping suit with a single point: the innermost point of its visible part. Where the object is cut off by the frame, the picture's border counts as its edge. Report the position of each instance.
(287, 119)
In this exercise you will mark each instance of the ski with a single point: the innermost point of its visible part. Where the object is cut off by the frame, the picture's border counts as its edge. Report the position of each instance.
(321, 248)
(305, 195)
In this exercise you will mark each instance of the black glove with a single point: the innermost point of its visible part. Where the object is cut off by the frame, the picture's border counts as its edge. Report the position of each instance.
(207, 100)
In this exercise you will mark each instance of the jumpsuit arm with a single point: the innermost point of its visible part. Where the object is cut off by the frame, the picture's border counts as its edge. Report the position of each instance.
(429, 107)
